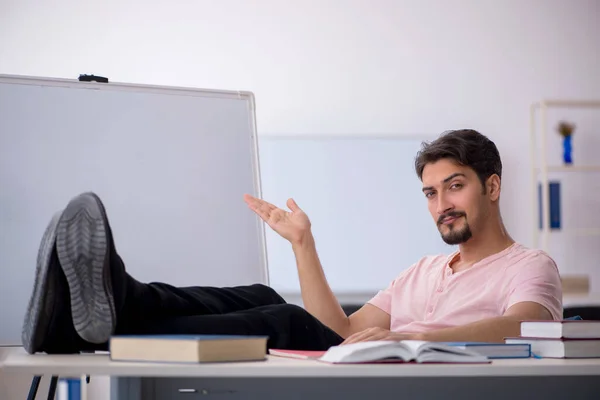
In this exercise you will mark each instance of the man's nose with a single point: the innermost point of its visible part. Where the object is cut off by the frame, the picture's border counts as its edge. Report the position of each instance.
(443, 205)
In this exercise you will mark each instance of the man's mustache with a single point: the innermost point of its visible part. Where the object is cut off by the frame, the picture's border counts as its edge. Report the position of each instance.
(451, 214)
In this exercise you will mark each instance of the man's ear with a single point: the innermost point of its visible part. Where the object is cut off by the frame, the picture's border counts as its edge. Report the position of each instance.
(492, 186)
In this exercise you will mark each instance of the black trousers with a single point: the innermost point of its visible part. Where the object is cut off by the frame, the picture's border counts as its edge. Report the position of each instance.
(159, 308)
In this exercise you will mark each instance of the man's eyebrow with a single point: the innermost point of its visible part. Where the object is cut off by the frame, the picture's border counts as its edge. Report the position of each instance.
(453, 176)
(426, 188)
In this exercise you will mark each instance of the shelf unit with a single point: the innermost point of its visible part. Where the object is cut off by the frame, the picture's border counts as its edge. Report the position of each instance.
(539, 171)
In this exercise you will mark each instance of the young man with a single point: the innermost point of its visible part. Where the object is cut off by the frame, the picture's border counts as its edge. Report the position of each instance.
(82, 293)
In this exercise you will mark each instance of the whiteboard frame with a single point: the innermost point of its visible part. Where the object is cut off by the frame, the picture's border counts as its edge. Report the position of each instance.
(179, 91)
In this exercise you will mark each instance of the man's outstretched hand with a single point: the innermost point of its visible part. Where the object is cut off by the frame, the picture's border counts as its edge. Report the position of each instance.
(292, 225)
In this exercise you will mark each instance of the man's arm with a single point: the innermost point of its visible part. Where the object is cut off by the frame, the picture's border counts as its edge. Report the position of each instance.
(316, 294)
(487, 330)
(491, 329)
(320, 301)
(536, 295)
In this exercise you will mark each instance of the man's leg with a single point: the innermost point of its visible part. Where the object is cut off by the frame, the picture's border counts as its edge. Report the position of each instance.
(81, 285)
(156, 300)
(159, 299)
(101, 289)
(288, 327)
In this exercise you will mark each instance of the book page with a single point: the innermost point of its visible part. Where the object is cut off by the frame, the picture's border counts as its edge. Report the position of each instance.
(442, 352)
(415, 346)
(338, 353)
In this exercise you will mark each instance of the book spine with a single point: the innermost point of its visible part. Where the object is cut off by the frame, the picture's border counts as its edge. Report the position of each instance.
(554, 216)
(68, 389)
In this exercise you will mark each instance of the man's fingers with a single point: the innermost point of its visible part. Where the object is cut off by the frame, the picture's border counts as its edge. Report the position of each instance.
(357, 337)
(291, 203)
(267, 211)
(350, 339)
(261, 210)
(379, 336)
(265, 215)
(367, 335)
(370, 337)
(253, 202)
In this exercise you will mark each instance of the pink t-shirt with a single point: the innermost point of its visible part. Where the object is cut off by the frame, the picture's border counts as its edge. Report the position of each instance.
(430, 296)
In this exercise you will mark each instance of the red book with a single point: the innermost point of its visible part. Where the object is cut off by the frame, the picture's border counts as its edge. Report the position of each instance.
(299, 354)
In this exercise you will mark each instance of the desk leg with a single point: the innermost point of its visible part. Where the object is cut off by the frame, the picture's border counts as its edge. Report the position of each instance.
(35, 384)
(52, 388)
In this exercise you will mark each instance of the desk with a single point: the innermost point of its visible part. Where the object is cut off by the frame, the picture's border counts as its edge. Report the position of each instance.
(299, 379)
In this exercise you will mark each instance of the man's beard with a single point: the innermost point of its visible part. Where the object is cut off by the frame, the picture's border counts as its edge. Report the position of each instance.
(455, 236)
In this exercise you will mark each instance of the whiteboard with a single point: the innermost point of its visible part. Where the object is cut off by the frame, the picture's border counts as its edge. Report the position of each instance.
(368, 213)
(170, 164)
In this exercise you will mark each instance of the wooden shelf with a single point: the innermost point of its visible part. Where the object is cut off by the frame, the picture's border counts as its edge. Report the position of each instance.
(573, 168)
(568, 103)
(576, 231)
(541, 170)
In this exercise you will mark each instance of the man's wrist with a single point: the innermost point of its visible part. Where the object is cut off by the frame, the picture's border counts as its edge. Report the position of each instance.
(399, 336)
(420, 336)
(306, 241)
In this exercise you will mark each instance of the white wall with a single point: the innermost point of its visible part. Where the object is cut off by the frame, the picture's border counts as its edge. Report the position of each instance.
(333, 66)
(337, 66)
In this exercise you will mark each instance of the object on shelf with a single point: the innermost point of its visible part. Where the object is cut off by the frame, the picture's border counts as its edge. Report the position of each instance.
(554, 200)
(575, 284)
(567, 150)
(566, 131)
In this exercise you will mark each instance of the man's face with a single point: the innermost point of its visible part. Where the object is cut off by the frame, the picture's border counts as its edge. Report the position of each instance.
(455, 199)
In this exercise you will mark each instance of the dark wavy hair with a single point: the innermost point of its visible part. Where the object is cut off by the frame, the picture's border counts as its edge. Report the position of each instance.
(466, 147)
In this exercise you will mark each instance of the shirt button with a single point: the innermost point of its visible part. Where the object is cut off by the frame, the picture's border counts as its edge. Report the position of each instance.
(440, 289)
(430, 310)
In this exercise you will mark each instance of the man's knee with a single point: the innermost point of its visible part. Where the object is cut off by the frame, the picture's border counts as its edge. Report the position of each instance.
(270, 292)
(293, 311)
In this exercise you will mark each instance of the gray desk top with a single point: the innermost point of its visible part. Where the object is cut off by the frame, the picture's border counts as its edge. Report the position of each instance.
(100, 364)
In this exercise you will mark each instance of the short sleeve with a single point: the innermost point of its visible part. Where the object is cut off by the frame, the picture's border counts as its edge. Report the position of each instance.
(538, 280)
(383, 299)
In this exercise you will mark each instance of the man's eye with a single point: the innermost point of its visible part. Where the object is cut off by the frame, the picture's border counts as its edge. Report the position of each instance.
(456, 186)
(429, 194)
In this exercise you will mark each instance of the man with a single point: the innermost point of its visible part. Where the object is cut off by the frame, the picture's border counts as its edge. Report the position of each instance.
(83, 294)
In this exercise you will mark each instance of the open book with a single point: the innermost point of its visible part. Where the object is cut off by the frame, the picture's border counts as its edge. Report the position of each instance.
(389, 351)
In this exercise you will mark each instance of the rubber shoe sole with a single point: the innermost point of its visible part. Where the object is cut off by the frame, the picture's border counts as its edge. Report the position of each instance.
(41, 303)
(82, 247)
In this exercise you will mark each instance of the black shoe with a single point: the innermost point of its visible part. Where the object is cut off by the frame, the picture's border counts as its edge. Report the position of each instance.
(48, 325)
(42, 300)
(83, 245)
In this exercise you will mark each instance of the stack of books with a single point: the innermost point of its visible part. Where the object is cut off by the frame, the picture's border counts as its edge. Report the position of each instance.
(561, 339)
